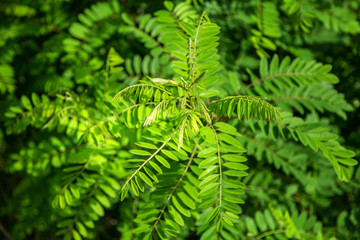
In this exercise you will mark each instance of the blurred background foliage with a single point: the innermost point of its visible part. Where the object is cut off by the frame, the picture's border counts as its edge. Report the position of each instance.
(49, 46)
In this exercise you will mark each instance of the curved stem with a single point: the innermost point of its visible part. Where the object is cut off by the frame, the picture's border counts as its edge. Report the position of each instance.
(117, 114)
(220, 169)
(5, 232)
(84, 202)
(118, 95)
(147, 160)
(265, 234)
(158, 44)
(133, 212)
(79, 172)
(175, 187)
(259, 80)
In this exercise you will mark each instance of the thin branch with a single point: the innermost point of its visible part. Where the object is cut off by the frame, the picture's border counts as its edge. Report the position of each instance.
(147, 160)
(198, 29)
(118, 95)
(252, 98)
(158, 44)
(5, 232)
(84, 167)
(133, 212)
(259, 80)
(154, 114)
(220, 169)
(285, 98)
(175, 187)
(84, 202)
(265, 234)
(117, 114)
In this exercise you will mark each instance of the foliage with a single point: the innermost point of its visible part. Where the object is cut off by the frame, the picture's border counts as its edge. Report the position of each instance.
(179, 120)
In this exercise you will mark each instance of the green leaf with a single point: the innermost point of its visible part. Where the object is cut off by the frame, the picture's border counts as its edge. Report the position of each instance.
(191, 190)
(269, 219)
(260, 221)
(208, 171)
(35, 99)
(212, 215)
(207, 152)
(127, 18)
(169, 5)
(274, 65)
(81, 228)
(162, 161)
(170, 154)
(234, 191)
(68, 197)
(226, 128)
(209, 179)
(134, 188)
(232, 148)
(103, 199)
(344, 153)
(208, 203)
(210, 161)
(219, 225)
(108, 190)
(75, 191)
(65, 223)
(187, 27)
(234, 200)
(76, 235)
(139, 184)
(141, 229)
(161, 234)
(180, 208)
(124, 192)
(236, 173)
(234, 183)
(26, 102)
(151, 174)
(209, 188)
(112, 182)
(229, 139)
(139, 152)
(251, 226)
(176, 216)
(348, 162)
(156, 167)
(263, 67)
(98, 209)
(230, 223)
(146, 145)
(145, 179)
(186, 200)
(234, 158)
(236, 166)
(62, 201)
(230, 214)
(78, 30)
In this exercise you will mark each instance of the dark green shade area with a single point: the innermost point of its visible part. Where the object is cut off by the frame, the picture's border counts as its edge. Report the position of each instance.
(193, 119)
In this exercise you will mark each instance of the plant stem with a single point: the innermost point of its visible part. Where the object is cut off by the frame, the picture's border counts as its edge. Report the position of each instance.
(175, 187)
(147, 160)
(220, 170)
(5, 232)
(265, 234)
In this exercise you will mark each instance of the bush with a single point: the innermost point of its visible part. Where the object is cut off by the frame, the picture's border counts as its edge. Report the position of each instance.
(179, 120)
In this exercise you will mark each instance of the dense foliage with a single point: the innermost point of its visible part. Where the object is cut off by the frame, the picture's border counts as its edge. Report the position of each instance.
(194, 119)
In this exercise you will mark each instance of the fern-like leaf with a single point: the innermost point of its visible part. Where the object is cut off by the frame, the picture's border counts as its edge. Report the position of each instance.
(286, 74)
(246, 106)
(142, 93)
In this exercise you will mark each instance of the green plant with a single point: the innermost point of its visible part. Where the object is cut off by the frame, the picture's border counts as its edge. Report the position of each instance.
(171, 139)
